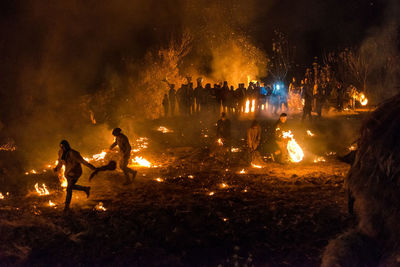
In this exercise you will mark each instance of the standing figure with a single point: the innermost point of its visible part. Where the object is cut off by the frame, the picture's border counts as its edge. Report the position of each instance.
(172, 98)
(308, 98)
(165, 104)
(72, 160)
(125, 153)
(224, 130)
(253, 138)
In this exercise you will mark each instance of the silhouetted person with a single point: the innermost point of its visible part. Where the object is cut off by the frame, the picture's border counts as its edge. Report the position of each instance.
(165, 104)
(172, 98)
(72, 160)
(125, 153)
(253, 137)
(224, 129)
(308, 99)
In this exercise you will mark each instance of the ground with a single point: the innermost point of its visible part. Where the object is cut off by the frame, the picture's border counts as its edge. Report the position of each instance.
(201, 212)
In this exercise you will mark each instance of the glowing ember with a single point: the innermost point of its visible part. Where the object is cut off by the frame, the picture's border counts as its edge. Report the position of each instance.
(235, 149)
(51, 204)
(352, 148)
(242, 171)
(139, 161)
(8, 147)
(164, 129)
(223, 185)
(256, 166)
(160, 180)
(296, 154)
(141, 144)
(225, 219)
(219, 141)
(190, 176)
(33, 171)
(42, 191)
(211, 193)
(363, 100)
(319, 159)
(1, 196)
(100, 207)
(309, 133)
(253, 105)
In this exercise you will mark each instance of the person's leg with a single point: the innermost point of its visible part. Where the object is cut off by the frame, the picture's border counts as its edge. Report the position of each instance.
(124, 167)
(71, 183)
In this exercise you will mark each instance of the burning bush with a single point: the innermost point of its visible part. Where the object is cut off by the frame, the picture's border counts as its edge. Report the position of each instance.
(374, 181)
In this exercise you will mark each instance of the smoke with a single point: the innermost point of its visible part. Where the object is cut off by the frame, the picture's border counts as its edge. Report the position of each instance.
(381, 48)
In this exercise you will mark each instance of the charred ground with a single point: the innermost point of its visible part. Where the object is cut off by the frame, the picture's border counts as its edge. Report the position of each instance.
(203, 212)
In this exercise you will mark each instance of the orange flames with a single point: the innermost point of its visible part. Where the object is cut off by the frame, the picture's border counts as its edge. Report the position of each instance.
(42, 191)
(141, 162)
(296, 154)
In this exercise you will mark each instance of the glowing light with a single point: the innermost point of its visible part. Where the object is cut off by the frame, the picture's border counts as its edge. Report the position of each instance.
(256, 166)
(223, 185)
(235, 149)
(8, 147)
(164, 129)
(61, 177)
(242, 171)
(160, 180)
(296, 154)
(42, 191)
(100, 207)
(51, 204)
(190, 176)
(1, 196)
(220, 142)
(211, 193)
(139, 161)
(309, 133)
(253, 105)
(247, 107)
(352, 148)
(319, 159)
(225, 219)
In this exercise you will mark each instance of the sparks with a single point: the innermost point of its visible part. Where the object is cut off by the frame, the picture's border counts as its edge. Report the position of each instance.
(319, 159)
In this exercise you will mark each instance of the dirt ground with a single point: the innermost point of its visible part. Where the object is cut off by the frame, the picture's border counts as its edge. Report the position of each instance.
(193, 209)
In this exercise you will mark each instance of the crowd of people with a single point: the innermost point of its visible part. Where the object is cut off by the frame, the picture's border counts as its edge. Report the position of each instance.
(312, 95)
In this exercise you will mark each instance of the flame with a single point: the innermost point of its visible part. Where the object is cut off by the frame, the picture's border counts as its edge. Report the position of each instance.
(256, 166)
(247, 107)
(242, 171)
(1, 196)
(319, 159)
(235, 149)
(42, 191)
(220, 142)
(164, 129)
(309, 133)
(363, 100)
(141, 144)
(211, 193)
(61, 177)
(139, 161)
(253, 105)
(352, 148)
(160, 180)
(296, 154)
(51, 204)
(8, 147)
(100, 207)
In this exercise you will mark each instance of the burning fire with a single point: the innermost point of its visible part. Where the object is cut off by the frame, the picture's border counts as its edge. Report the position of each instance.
(100, 207)
(242, 171)
(42, 191)
(139, 161)
(295, 152)
(51, 204)
(1, 196)
(253, 105)
(61, 177)
(223, 185)
(247, 107)
(360, 97)
(164, 129)
(235, 149)
(211, 193)
(141, 144)
(8, 147)
(160, 180)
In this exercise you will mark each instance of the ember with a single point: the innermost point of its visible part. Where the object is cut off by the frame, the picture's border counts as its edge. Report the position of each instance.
(242, 171)
(141, 162)
(8, 147)
(256, 166)
(164, 129)
(319, 159)
(160, 180)
(309, 133)
(100, 207)
(1, 196)
(51, 204)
